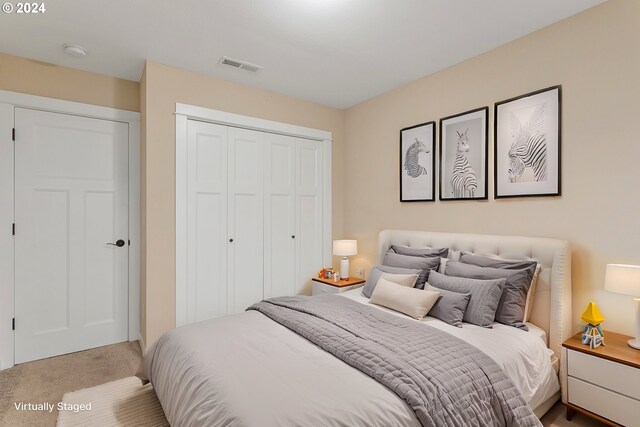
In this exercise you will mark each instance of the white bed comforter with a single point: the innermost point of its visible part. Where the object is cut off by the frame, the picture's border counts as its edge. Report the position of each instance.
(247, 370)
(522, 355)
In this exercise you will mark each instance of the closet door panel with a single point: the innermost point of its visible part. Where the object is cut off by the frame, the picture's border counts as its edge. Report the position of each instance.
(246, 228)
(309, 212)
(207, 221)
(279, 216)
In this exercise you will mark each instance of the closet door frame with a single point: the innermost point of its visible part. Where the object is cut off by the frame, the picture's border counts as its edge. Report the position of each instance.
(186, 112)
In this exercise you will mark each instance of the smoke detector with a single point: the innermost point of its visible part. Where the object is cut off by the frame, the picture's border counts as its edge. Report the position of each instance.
(241, 65)
(74, 50)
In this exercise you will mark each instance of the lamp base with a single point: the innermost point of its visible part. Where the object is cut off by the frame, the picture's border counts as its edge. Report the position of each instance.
(344, 268)
(635, 343)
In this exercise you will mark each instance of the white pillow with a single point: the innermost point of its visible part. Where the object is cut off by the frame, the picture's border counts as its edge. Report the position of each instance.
(443, 265)
(408, 280)
(408, 300)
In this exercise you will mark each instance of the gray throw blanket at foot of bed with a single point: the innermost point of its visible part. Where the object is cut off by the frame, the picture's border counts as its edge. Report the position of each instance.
(446, 381)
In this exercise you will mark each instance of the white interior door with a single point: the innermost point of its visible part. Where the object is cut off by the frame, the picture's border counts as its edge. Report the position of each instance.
(279, 216)
(246, 228)
(71, 203)
(206, 221)
(309, 188)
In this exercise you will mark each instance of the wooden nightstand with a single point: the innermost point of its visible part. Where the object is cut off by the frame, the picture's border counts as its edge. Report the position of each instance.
(328, 286)
(604, 383)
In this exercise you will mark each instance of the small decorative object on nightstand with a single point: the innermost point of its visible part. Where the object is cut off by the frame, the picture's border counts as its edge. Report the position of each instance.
(329, 286)
(625, 279)
(603, 383)
(592, 334)
(345, 248)
(326, 273)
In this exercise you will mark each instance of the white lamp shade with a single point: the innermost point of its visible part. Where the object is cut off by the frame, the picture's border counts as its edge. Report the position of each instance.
(622, 279)
(345, 247)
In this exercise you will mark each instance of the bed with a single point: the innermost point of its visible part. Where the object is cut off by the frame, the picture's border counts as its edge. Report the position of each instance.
(248, 369)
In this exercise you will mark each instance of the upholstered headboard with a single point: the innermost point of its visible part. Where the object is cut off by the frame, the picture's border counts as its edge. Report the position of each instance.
(552, 301)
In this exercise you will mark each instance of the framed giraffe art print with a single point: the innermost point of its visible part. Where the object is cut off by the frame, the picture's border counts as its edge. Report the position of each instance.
(417, 163)
(527, 145)
(463, 155)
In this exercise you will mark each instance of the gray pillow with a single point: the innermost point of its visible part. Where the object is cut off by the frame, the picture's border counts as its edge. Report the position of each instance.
(377, 271)
(392, 259)
(423, 252)
(532, 266)
(514, 297)
(507, 264)
(450, 306)
(485, 295)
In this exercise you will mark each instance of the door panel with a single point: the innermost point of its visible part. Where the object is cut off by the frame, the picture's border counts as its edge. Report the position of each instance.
(71, 194)
(95, 148)
(246, 254)
(207, 221)
(52, 254)
(100, 266)
(309, 212)
(279, 216)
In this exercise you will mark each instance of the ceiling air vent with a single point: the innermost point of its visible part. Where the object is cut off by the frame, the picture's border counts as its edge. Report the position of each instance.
(242, 65)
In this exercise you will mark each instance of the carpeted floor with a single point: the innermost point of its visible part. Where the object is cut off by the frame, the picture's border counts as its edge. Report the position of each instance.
(556, 418)
(49, 379)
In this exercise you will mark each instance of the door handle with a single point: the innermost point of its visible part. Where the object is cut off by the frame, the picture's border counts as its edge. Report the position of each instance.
(119, 243)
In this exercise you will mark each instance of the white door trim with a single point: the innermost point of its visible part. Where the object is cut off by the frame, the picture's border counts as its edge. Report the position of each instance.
(185, 112)
(247, 122)
(7, 252)
(10, 100)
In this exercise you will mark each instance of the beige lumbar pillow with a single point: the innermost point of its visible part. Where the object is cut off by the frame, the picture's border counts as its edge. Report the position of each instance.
(408, 300)
(528, 306)
(407, 280)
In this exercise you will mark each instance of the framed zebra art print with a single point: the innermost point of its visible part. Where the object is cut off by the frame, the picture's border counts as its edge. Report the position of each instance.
(527, 144)
(463, 155)
(417, 163)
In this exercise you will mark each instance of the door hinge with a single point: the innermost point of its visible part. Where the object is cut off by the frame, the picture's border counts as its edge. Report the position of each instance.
(13, 229)
(13, 324)
(13, 134)
(129, 242)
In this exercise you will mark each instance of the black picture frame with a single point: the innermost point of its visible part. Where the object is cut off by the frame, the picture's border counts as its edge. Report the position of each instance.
(418, 164)
(463, 177)
(527, 145)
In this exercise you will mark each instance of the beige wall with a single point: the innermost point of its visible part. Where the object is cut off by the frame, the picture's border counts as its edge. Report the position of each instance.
(596, 57)
(163, 86)
(42, 79)
(143, 204)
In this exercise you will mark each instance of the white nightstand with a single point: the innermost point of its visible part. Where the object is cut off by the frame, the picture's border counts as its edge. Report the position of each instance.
(604, 383)
(328, 286)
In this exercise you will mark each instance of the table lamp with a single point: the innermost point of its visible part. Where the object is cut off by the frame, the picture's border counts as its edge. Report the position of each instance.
(625, 279)
(345, 248)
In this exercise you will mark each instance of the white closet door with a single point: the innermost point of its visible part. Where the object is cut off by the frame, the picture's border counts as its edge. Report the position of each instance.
(206, 221)
(246, 227)
(71, 207)
(279, 216)
(309, 212)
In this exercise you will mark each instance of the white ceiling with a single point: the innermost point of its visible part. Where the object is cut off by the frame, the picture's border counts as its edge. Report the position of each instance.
(334, 52)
